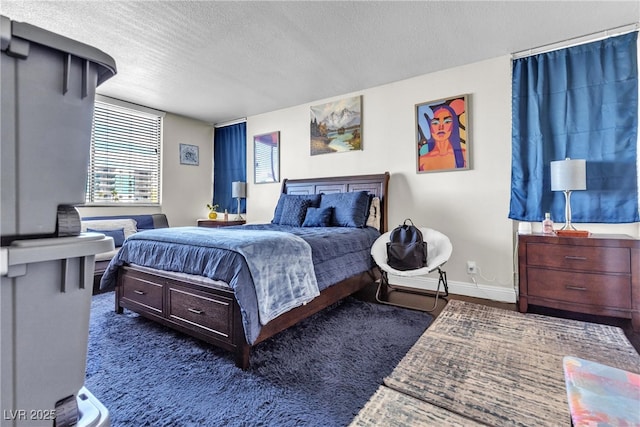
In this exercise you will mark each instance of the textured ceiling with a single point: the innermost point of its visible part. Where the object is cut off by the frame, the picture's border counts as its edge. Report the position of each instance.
(219, 61)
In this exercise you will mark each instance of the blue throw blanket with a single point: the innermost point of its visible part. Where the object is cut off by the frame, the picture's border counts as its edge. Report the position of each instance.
(280, 263)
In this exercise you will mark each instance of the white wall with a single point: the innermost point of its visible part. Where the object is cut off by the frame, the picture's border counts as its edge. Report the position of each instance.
(471, 206)
(186, 189)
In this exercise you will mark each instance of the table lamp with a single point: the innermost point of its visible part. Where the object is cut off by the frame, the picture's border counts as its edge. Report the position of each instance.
(239, 191)
(568, 175)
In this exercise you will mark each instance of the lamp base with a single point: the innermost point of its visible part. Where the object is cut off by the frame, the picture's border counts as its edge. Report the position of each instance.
(568, 226)
(567, 211)
(239, 217)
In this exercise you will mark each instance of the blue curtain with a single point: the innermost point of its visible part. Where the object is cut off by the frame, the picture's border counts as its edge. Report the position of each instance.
(580, 102)
(229, 165)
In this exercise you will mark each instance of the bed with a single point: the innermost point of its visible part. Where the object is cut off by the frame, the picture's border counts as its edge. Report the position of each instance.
(223, 289)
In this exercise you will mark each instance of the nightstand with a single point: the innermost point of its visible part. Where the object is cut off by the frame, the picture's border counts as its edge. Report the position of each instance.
(597, 275)
(217, 223)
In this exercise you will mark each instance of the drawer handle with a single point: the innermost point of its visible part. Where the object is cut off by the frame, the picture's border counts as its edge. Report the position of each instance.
(575, 288)
(575, 258)
(135, 291)
(195, 311)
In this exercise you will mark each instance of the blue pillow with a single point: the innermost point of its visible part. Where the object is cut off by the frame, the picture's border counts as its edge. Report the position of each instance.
(313, 198)
(349, 209)
(118, 235)
(318, 217)
(294, 211)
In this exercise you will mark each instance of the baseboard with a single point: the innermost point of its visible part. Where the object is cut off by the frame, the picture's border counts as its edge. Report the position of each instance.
(495, 293)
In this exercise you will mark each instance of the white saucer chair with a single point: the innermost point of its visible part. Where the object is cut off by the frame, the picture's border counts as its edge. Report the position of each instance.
(439, 251)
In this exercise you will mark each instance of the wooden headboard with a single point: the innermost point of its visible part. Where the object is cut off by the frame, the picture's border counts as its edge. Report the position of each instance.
(378, 185)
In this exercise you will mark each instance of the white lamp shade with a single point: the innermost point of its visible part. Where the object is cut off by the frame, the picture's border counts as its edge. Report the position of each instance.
(238, 189)
(568, 175)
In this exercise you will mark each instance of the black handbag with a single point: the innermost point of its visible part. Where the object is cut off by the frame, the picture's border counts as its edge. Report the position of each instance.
(406, 249)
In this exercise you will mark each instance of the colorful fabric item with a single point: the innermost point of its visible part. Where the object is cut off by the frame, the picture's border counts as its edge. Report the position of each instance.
(600, 395)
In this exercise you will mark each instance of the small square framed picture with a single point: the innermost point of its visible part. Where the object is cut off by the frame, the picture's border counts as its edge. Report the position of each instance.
(189, 154)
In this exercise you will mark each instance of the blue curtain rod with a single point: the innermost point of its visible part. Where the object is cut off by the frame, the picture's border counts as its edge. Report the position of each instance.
(600, 35)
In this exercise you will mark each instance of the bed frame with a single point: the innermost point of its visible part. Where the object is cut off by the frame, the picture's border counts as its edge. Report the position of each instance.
(212, 313)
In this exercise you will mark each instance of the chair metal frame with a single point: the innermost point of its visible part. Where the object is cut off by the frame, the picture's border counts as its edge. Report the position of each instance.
(383, 283)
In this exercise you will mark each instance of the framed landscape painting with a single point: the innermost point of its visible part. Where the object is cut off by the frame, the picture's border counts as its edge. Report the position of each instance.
(336, 126)
(442, 135)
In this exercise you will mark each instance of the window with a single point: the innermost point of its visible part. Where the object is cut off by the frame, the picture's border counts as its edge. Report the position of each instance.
(229, 164)
(124, 167)
(580, 102)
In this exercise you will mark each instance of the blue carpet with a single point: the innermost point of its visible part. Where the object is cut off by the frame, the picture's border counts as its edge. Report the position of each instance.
(317, 373)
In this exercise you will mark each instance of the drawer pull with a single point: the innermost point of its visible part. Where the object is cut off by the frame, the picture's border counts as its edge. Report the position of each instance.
(195, 311)
(575, 258)
(575, 288)
(135, 291)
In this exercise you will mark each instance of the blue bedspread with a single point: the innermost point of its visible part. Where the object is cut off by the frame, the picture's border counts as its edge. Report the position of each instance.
(337, 253)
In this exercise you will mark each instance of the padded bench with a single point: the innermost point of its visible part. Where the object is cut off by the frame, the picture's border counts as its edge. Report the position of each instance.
(119, 227)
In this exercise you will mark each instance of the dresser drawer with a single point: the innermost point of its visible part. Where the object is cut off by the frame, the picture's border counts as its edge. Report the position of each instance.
(579, 258)
(211, 313)
(582, 288)
(144, 293)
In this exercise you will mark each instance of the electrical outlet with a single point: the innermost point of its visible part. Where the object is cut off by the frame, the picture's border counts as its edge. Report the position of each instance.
(471, 267)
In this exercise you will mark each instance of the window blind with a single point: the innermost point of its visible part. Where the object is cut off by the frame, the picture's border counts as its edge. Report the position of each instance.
(266, 158)
(124, 166)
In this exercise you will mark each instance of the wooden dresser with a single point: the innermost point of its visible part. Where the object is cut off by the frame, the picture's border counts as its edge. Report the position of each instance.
(597, 275)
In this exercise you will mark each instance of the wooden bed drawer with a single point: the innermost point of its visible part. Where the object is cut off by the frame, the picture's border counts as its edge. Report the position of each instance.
(581, 288)
(211, 312)
(580, 258)
(144, 293)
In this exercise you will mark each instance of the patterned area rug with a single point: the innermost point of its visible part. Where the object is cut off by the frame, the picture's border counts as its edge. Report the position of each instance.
(388, 404)
(501, 367)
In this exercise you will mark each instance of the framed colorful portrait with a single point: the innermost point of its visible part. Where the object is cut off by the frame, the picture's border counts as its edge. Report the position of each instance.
(442, 135)
(189, 154)
(266, 157)
(336, 126)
